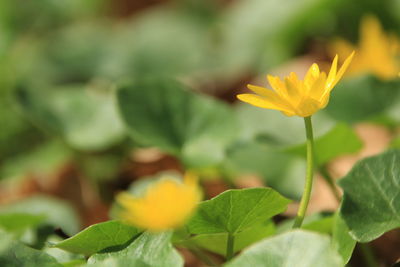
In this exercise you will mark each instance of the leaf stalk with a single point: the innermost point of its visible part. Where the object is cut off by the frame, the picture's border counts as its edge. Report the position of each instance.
(230, 247)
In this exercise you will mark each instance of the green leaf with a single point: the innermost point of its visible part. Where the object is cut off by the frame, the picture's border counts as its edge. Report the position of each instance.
(342, 242)
(41, 161)
(317, 222)
(120, 262)
(297, 248)
(18, 222)
(234, 211)
(391, 117)
(163, 113)
(76, 263)
(278, 169)
(323, 225)
(17, 134)
(395, 143)
(361, 98)
(265, 33)
(98, 237)
(56, 212)
(85, 117)
(15, 254)
(147, 45)
(338, 141)
(217, 242)
(371, 200)
(149, 249)
(74, 54)
(53, 15)
(62, 256)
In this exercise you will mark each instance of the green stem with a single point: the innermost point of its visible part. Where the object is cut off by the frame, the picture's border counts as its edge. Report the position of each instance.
(229, 247)
(309, 174)
(368, 255)
(328, 178)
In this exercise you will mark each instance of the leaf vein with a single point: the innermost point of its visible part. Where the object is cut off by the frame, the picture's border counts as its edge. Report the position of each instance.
(252, 210)
(381, 192)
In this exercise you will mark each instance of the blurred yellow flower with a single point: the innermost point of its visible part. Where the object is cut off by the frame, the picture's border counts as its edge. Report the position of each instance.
(377, 51)
(297, 97)
(166, 204)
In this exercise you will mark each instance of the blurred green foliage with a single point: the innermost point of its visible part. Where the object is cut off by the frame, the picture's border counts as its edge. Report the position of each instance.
(54, 45)
(81, 83)
(165, 114)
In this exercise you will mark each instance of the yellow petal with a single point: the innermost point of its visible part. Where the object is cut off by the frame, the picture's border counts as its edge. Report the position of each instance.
(311, 75)
(318, 88)
(376, 51)
(324, 100)
(289, 114)
(270, 95)
(125, 199)
(332, 73)
(278, 85)
(370, 31)
(294, 89)
(307, 107)
(294, 79)
(262, 102)
(190, 179)
(342, 69)
(260, 90)
(296, 97)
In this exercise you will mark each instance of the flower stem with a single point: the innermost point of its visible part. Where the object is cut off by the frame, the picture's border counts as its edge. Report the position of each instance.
(229, 247)
(368, 255)
(309, 174)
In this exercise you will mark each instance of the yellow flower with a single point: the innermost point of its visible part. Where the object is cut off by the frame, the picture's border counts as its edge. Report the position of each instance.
(166, 204)
(377, 52)
(297, 97)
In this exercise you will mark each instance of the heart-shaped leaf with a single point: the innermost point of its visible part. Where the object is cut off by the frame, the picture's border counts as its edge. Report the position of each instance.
(237, 210)
(217, 242)
(371, 200)
(165, 114)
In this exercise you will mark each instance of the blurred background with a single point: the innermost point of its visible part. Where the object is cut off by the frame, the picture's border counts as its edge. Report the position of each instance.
(68, 144)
